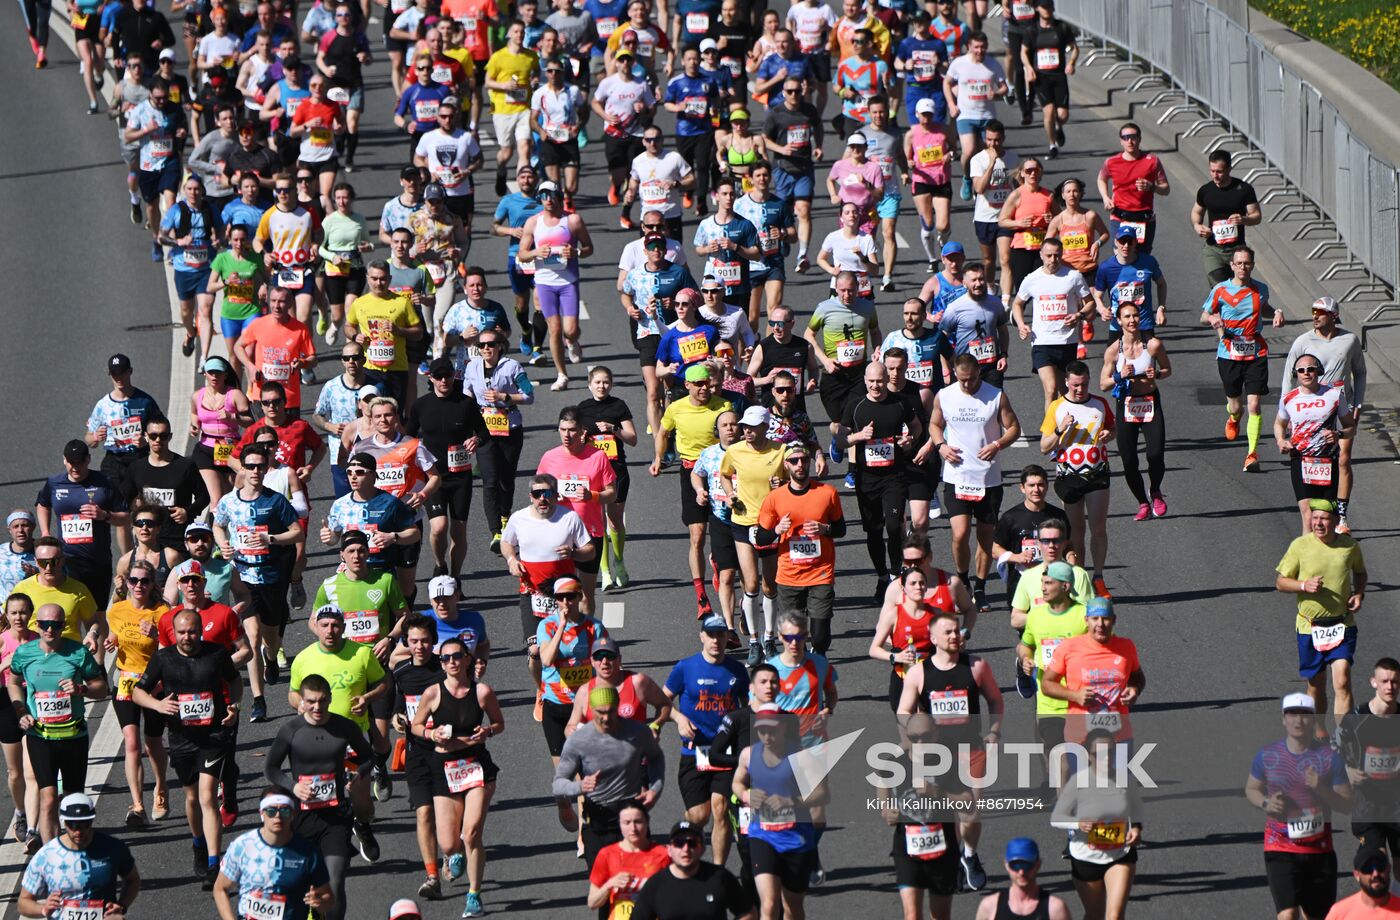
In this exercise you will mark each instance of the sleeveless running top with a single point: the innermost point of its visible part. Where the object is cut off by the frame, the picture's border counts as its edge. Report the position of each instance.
(291, 99)
(162, 567)
(1004, 912)
(740, 157)
(213, 428)
(1076, 239)
(551, 271)
(464, 715)
(971, 422)
(1139, 363)
(629, 705)
(953, 699)
(1033, 203)
(911, 633)
(782, 822)
(397, 469)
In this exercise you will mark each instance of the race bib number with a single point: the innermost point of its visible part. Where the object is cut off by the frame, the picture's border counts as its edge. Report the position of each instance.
(693, 347)
(1031, 239)
(127, 431)
(776, 816)
(607, 443)
(264, 905)
(576, 675)
(1306, 826)
(277, 371)
(320, 137)
(196, 256)
(1242, 349)
(849, 353)
(771, 241)
(923, 841)
(459, 459)
(799, 135)
(53, 706)
(984, 351)
(1047, 651)
(463, 775)
(250, 541)
(969, 493)
(1139, 409)
(436, 271)
(697, 23)
(163, 497)
(804, 550)
(607, 25)
(497, 422)
(978, 90)
(1130, 292)
(1139, 228)
(559, 133)
(654, 192)
(162, 147)
(925, 66)
(425, 110)
(323, 793)
(728, 272)
(74, 528)
(1022, 10)
(1381, 763)
(879, 452)
(920, 372)
(1326, 638)
(1053, 308)
(82, 910)
(573, 488)
(380, 351)
(1047, 58)
(196, 708)
(1316, 471)
(1107, 836)
(542, 605)
(1224, 232)
(126, 680)
(1077, 241)
(362, 625)
(929, 156)
(949, 707)
(1106, 721)
(695, 106)
(390, 476)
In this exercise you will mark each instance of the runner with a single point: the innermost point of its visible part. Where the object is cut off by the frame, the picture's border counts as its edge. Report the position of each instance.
(1099, 674)
(80, 507)
(774, 221)
(860, 75)
(696, 99)
(925, 846)
(1025, 897)
(972, 85)
(156, 128)
(168, 484)
(1081, 232)
(730, 242)
(24, 795)
(587, 484)
(850, 247)
(192, 229)
(1132, 367)
(1236, 309)
(710, 489)
(384, 322)
(1298, 782)
(1014, 543)
(311, 756)
(691, 886)
(241, 277)
(794, 134)
(928, 147)
(1076, 430)
(1224, 207)
(1366, 737)
(1129, 183)
(847, 326)
(945, 286)
(703, 687)
(903, 634)
(1344, 364)
(1052, 545)
(607, 422)
(287, 236)
(1047, 56)
(785, 368)
(52, 584)
(1327, 572)
(693, 421)
(464, 713)
(452, 429)
(1061, 304)
(1056, 616)
(886, 150)
(654, 178)
(557, 110)
(274, 349)
(272, 868)
(469, 317)
(508, 75)
(635, 691)
(1312, 423)
(624, 103)
(117, 423)
(970, 425)
(648, 294)
(751, 469)
(80, 870)
(197, 678)
(953, 687)
(977, 324)
(500, 386)
(133, 634)
(622, 868)
(17, 557)
(441, 244)
(415, 669)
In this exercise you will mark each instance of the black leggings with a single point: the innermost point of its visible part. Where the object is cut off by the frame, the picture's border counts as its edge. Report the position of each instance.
(881, 499)
(36, 19)
(699, 151)
(620, 152)
(819, 631)
(497, 459)
(1015, 38)
(1023, 262)
(1155, 432)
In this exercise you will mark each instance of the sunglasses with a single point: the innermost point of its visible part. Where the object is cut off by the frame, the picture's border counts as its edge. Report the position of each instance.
(278, 811)
(1373, 867)
(1307, 369)
(542, 493)
(45, 625)
(452, 656)
(1129, 137)
(651, 140)
(145, 522)
(1020, 865)
(273, 402)
(256, 467)
(793, 637)
(353, 359)
(282, 190)
(795, 461)
(198, 538)
(567, 595)
(491, 343)
(304, 179)
(45, 563)
(604, 656)
(782, 389)
(687, 843)
(159, 435)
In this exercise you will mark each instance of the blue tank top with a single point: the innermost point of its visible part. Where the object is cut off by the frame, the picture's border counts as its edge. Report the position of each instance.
(787, 825)
(290, 98)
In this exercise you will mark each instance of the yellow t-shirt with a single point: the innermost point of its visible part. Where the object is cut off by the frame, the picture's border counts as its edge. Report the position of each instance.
(694, 425)
(505, 64)
(752, 471)
(1081, 454)
(376, 316)
(134, 647)
(79, 608)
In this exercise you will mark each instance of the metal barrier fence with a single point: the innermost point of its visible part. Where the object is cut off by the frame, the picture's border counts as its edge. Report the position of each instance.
(1213, 61)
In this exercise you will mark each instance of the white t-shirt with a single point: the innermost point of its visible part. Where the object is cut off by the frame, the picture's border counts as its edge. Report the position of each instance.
(634, 254)
(975, 85)
(987, 207)
(660, 179)
(809, 23)
(1052, 300)
(557, 110)
(849, 254)
(216, 50)
(445, 152)
(537, 539)
(619, 95)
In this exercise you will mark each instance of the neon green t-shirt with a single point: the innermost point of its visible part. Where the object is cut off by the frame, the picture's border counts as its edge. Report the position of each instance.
(370, 606)
(1044, 631)
(350, 672)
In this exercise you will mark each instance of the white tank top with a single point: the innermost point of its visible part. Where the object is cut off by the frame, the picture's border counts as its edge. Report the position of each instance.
(552, 271)
(970, 424)
(1139, 364)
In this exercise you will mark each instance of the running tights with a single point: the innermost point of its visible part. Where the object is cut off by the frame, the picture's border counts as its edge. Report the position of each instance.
(819, 630)
(497, 461)
(1155, 433)
(881, 499)
(336, 866)
(36, 19)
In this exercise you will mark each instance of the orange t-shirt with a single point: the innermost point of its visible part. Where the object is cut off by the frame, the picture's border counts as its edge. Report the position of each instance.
(1105, 669)
(275, 347)
(1359, 907)
(613, 859)
(803, 561)
(476, 17)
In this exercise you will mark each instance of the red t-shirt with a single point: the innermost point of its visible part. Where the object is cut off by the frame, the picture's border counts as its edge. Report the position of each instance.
(221, 626)
(457, 75)
(642, 865)
(296, 441)
(1125, 173)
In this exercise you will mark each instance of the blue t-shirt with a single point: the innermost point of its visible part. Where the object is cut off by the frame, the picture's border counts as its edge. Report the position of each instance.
(923, 60)
(705, 692)
(88, 540)
(707, 465)
(700, 96)
(419, 100)
(382, 512)
(200, 252)
(12, 567)
(513, 210)
(280, 32)
(1131, 282)
(469, 625)
(684, 347)
(923, 354)
(697, 29)
(644, 285)
(259, 869)
(771, 219)
(238, 212)
(270, 513)
(82, 875)
(798, 68)
(608, 15)
(727, 265)
(533, 31)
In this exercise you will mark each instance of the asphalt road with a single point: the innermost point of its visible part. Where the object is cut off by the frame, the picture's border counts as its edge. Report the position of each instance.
(1194, 589)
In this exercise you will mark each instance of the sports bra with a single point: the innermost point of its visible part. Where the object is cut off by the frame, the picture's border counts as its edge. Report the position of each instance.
(740, 158)
(211, 426)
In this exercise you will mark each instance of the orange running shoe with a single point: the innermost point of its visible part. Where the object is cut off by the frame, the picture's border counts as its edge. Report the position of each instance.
(1232, 427)
(612, 194)
(1251, 462)
(1101, 588)
(539, 704)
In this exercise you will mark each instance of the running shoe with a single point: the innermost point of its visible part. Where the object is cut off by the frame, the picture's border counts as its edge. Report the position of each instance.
(1342, 525)
(431, 889)
(1251, 462)
(158, 255)
(966, 191)
(365, 842)
(496, 543)
(1025, 683)
(137, 217)
(1101, 588)
(297, 596)
(850, 481)
(456, 865)
(19, 827)
(473, 906)
(755, 654)
(770, 647)
(308, 377)
(703, 607)
(1054, 152)
(973, 873)
(573, 352)
(160, 807)
(1232, 428)
(1143, 513)
(135, 818)
(383, 787)
(271, 669)
(281, 658)
(834, 452)
(803, 263)
(1159, 505)
(228, 817)
(619, 573)
(258, 712)
(199, 860)
(626, 223)
(322, 324)
(501, 188)
(612, 194)
(561, 382)
(1060, 135)
(332, 334)
(887, 283)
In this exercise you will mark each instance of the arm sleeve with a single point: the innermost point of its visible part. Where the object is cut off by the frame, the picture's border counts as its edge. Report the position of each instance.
(277, 754)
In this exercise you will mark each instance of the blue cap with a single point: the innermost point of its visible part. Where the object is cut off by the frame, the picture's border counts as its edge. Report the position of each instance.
(1022, 848)
(1060, 571)
(714, 623)
(1125, 233)
(950, 248)
(1099, 607)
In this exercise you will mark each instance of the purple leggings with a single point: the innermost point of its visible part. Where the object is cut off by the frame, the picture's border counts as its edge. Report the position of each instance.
(561, 300)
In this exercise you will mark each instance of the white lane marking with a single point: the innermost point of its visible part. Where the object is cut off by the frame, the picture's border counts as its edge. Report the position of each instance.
(900, 241)
(613, 614)
(583, 310)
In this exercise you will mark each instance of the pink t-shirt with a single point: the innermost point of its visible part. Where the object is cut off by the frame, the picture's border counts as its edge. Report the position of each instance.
(590, 471)
(857, 184)
(8, 644)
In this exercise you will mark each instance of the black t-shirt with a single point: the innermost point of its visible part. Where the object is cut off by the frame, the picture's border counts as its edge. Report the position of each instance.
(1220, 203)
(1018, 524)
(446, 423)
(712, 894)
(779, 127)
(1371, 744)
(880, 454)
(608, 409)
(1059, 37)
(410, 680)
(177, 484)
(198, 682)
